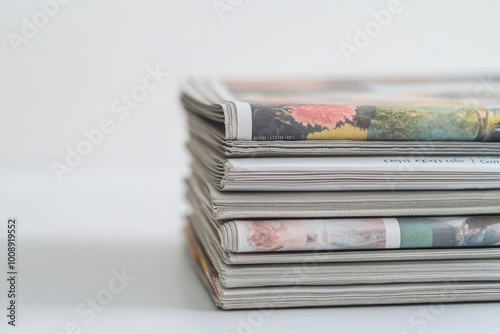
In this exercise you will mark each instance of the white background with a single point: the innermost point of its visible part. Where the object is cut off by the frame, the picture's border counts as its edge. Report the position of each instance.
(121, 208)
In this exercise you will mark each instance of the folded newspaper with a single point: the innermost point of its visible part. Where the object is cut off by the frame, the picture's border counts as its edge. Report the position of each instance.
(212, 134)
(360, 233)
(348, 173)
(422, 109)
(319, 192)
(320, 204)
(211, 235)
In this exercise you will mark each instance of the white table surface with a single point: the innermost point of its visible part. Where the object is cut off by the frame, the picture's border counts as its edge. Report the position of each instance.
(122, 207)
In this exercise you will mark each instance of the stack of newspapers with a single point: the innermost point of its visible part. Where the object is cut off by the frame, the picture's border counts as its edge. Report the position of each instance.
(318, 193)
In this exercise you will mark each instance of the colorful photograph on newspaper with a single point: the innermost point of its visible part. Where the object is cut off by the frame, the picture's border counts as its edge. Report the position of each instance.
(368, 233)
(424, 110)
